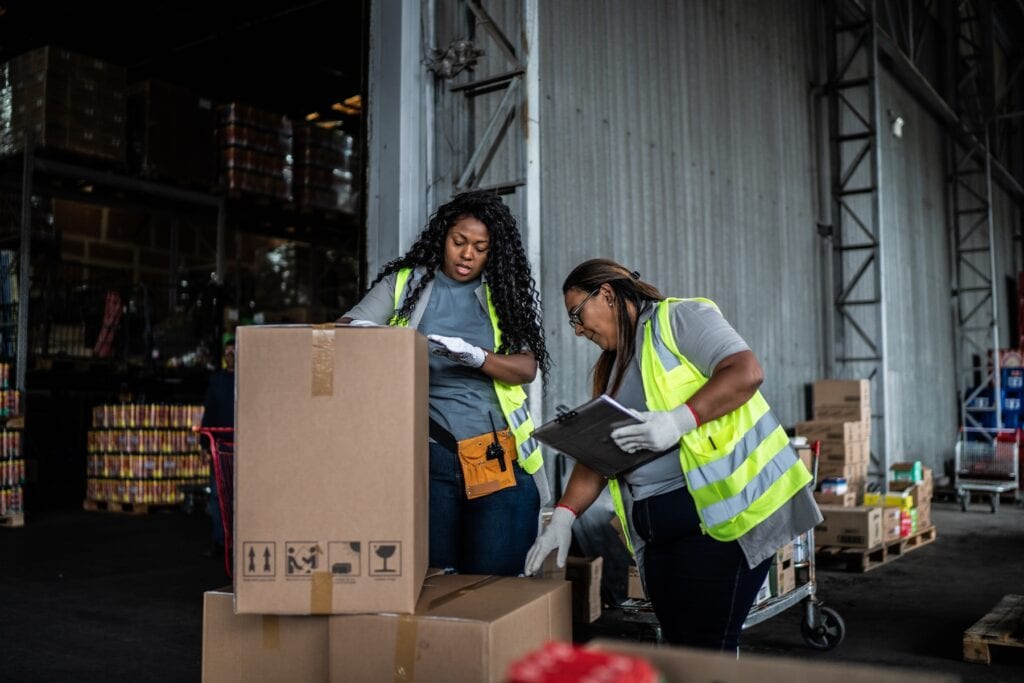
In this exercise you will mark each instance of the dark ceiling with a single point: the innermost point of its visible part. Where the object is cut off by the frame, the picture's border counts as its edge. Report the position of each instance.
(289, 57)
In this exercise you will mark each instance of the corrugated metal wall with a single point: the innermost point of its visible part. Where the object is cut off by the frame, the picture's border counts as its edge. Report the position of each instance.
(676, 138)
(923, 410)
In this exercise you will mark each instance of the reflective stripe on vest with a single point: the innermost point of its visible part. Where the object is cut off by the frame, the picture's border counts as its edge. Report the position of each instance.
(511, 397)
(739, 467)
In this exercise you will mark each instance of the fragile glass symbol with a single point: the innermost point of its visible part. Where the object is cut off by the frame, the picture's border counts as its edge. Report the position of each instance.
(384, 552)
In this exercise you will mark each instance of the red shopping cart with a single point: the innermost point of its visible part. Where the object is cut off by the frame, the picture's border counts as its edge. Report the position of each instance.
(222, 453)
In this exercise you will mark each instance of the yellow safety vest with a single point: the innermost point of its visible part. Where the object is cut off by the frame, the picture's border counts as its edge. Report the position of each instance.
(739, 467)
(511, 397)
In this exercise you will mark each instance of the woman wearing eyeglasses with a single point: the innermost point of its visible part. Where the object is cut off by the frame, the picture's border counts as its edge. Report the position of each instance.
(728, 490)
(466, 285)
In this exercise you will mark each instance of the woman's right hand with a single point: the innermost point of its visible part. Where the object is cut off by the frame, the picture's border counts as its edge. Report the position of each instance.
(556, 536)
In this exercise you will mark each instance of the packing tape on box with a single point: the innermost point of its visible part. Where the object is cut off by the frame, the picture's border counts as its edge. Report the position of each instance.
(405, 638)
(323, 360)
(405, 649)
(271, 632)
(321, 593)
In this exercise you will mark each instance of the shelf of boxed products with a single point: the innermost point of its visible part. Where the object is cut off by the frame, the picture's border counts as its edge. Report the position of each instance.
(12, 458)
(141, 454)
(981, 408)
(860, 531)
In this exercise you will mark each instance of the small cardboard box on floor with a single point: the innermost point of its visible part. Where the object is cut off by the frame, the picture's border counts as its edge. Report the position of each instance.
(331, 475)
(251, 647)
(465, 628)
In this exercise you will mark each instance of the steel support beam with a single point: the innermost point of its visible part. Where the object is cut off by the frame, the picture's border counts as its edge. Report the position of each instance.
(970, 164)
(860, 348)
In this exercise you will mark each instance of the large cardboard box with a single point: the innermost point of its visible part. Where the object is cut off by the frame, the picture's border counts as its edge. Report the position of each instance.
(830, 431)
(854, 472)
(332, 472)
(856, 527)
(836, 399)
(251, 647)
(846, 500)
(465, 628)
(685, 665)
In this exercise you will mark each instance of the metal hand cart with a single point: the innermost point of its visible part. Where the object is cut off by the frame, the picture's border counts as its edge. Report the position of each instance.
(222, 453)
(822, 628)
(986, 462)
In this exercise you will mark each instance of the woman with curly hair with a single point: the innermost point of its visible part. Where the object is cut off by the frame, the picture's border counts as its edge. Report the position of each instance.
(466, 285)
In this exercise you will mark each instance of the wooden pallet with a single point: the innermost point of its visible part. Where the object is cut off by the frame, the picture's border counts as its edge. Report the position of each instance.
(13, 520)
(1003, 626)
(123, 508)
(864, 560)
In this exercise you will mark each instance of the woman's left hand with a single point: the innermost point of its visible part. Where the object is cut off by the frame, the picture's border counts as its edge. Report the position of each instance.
(659, 431)
(457, 349)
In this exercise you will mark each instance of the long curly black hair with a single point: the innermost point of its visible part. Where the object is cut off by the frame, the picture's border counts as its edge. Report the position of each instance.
(513, 289)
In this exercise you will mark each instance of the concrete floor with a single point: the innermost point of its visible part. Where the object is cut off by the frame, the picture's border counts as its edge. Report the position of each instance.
(94, 596)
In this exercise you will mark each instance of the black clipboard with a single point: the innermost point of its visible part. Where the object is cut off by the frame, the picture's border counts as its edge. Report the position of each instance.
(584, 434)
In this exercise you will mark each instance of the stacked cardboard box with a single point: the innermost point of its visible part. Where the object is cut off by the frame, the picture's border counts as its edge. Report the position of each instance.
(842, 426)
(330, 519)
(69, 102)
(850, 527)
(464, 628)
(255, 151)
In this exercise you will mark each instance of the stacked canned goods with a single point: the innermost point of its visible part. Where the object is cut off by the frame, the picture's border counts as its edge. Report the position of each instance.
(12, 464)
(143, 453)
(146, 415)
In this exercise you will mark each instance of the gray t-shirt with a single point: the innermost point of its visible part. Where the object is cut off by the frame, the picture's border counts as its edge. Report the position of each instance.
(705, 338)
(461, 398)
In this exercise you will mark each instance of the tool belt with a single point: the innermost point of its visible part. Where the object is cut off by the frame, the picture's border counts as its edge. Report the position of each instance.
(487, 460)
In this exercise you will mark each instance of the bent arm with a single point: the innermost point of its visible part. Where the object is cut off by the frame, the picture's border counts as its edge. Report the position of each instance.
(584, 486)
(515, 368)
(732, 383)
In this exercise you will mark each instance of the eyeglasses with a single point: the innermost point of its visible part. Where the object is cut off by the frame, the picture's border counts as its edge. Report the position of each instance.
(574, 315)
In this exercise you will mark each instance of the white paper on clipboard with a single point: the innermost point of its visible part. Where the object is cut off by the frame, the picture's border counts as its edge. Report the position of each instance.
(584, 434)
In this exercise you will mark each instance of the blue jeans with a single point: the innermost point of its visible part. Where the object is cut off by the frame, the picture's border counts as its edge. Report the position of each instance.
(487, 535)
(701, 589)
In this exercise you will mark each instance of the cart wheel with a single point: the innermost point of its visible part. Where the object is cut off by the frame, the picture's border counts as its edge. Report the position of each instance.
(829, 633)
(993, 502)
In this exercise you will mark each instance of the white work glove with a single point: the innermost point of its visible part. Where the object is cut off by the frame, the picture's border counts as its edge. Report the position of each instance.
(557, 535)
(457, 349)
(362, 323)
(659, 431)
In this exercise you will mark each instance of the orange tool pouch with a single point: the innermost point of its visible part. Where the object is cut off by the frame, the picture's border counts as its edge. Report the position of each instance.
(487, 464)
